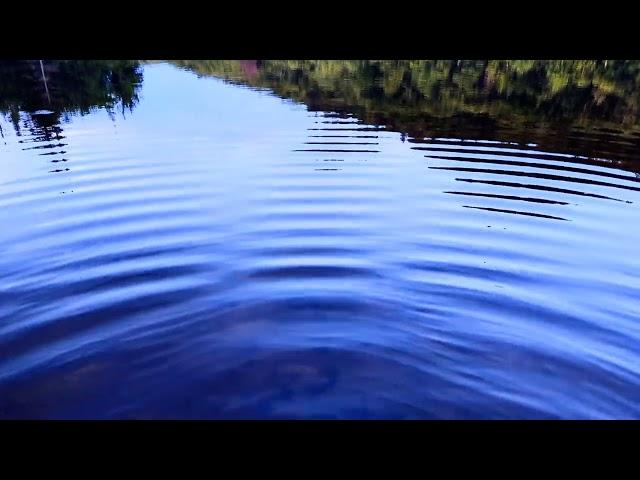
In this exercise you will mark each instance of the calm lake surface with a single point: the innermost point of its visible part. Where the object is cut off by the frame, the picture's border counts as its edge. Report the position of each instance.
(328, 239)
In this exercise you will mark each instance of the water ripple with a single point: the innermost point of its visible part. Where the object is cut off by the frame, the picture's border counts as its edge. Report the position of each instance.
(224, 254)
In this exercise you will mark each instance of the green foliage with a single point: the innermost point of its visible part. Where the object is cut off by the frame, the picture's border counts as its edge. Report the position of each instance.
(519, 90)
(74, 87)
(529, 101)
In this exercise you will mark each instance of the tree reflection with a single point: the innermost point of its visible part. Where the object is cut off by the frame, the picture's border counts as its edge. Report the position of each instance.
(554, 103)
(570, 106)
(557, 89)
(68, 88)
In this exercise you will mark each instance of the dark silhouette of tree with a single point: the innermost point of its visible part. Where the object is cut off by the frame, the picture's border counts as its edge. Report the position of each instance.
(548, 102)
(74, 87)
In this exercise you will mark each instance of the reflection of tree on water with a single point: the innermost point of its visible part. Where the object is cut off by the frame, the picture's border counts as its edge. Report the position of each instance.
(565, 106)
(45, 137)
(38, 96)
(69, 88)
(538, 90)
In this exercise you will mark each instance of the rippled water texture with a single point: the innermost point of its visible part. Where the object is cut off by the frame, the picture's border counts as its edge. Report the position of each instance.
(220, 252)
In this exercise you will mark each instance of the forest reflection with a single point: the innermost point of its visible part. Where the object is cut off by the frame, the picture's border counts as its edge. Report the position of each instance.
(580, 107)
(39, 96)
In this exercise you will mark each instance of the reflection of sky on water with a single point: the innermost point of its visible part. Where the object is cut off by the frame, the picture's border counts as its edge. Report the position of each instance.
(220, 251)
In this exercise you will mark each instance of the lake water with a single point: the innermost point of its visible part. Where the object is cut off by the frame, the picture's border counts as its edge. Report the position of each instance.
(239, 243)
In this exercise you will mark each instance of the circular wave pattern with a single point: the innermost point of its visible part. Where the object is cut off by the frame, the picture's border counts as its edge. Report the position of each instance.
(310, 266)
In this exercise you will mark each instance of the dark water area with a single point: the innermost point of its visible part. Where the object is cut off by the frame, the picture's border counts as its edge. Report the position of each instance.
(320, 239)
